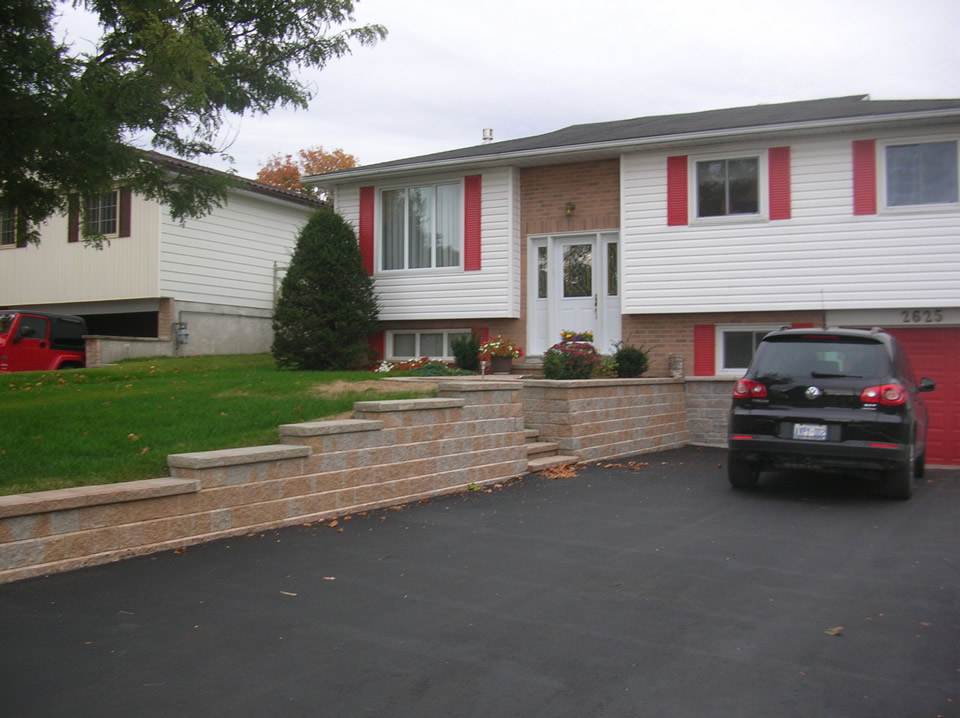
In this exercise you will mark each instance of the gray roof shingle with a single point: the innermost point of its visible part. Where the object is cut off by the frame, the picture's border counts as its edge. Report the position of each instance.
(666, 126)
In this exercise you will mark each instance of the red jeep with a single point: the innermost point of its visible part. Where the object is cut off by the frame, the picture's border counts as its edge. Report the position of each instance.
(39, 341)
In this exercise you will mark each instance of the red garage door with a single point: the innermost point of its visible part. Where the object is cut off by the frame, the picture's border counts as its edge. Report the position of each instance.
(935, 353)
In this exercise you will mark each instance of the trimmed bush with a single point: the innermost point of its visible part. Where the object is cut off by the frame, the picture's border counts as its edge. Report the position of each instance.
(327, 310)
(466, 351)
(631, 361)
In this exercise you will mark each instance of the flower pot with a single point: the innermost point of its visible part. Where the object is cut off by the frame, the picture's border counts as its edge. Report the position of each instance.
(501, 365)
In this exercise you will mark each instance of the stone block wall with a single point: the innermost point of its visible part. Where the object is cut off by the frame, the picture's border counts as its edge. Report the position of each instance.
(392, 452)
(708, 405)
(607, 418)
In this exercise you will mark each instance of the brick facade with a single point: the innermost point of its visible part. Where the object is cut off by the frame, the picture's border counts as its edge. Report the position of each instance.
(666, 334)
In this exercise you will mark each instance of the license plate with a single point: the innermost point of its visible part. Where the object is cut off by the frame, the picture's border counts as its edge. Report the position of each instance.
(810, 432)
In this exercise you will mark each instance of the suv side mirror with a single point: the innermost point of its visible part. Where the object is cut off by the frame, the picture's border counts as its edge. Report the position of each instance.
(927, 384)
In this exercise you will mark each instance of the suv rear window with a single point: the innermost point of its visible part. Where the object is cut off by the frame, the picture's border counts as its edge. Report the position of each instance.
(821, 357)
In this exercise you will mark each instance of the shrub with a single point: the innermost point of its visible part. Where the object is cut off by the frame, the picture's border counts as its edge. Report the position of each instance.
(466, 351)
(327, 309)
(570, 360)
(631, 361)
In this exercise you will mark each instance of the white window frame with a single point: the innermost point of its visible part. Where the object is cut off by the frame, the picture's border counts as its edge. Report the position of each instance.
(763, 201)
(116, 220)
(378, 218)
(882, 205)
(721, 338)
(448, 356)
(8, 227)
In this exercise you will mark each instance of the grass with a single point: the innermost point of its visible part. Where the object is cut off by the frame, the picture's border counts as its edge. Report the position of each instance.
(96, 426)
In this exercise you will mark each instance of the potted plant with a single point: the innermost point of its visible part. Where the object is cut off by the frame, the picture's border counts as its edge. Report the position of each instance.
(501, 352)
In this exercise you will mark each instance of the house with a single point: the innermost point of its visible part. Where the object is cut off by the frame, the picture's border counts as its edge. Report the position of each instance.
(214, 278)
(693, 234)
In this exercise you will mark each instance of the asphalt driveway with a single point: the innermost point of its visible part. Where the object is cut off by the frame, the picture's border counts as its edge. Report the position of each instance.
(644, 588)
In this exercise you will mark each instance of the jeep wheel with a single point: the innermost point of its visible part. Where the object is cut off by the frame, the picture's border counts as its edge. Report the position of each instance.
(742, 474)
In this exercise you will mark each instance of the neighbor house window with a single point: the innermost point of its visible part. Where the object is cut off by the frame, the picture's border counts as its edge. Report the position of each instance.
(727, 187)
(421, 227)
(737, 344)
(413, 344)
(8, 228)
(922, 173)
(102, 213)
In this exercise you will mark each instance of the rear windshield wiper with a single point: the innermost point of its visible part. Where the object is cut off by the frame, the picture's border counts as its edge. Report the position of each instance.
(828, 375)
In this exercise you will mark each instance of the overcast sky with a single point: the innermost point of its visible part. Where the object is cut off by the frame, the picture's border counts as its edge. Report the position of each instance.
(450, 68)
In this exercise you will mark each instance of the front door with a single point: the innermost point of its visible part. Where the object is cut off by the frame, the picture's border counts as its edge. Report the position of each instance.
(574, 286)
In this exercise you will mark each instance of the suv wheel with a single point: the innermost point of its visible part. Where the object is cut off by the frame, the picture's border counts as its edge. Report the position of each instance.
(898, 483)
(742, 474)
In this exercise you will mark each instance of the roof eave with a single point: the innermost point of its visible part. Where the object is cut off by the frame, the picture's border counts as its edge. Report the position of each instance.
(331, 180)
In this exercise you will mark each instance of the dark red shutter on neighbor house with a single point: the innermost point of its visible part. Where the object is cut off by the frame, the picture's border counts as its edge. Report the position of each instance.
(471, 223)
(704, 350)
(802, 325)
(677, 191)
(73, 218)
(123, 225)
(367, 199)
(378, 344)
(779, 176)
(865, 177)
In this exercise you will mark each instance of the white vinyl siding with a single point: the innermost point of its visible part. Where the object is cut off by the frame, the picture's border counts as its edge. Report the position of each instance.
(60, 271)
(452, 293)
(228, 256)
(823, 257)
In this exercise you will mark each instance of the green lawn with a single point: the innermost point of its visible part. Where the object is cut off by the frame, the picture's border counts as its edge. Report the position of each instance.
(93, 426)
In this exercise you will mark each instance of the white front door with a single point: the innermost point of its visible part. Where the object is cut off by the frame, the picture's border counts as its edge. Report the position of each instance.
(574, 286)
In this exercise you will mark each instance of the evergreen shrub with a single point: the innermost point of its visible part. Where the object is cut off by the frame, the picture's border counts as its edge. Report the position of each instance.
(327, 310)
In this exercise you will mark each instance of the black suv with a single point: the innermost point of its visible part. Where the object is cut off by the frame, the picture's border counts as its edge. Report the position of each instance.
(840, 400)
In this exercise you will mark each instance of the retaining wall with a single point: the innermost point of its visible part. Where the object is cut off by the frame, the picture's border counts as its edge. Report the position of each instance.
(607, 418)
(389, 453)
(392, 452)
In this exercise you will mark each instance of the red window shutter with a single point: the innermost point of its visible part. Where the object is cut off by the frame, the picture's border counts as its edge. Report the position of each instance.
(779, 176)
(677, 191)
(378, 344)
(704, 350)
(367, 199)
(802, 325)
(865, 177)
(123, 225)
(471, 222)
(73, 218)
(482, 332)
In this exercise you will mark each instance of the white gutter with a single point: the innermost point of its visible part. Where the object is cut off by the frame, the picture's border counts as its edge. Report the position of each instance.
(359, 173)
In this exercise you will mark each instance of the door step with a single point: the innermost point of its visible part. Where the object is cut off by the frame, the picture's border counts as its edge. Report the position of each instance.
(543, 454)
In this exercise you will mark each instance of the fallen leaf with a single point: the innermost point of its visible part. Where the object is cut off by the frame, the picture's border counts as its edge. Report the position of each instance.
(180, 551)
(333, 524)
(329, 578)
(560, 472)
(287, 593)
(834, 631)
(133, 437)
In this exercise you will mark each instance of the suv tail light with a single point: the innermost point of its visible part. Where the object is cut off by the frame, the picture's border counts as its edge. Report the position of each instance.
(888, 395)
(749, 389)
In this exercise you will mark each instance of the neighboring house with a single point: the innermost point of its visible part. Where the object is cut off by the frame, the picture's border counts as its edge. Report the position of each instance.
(218, 275)
(693, 234)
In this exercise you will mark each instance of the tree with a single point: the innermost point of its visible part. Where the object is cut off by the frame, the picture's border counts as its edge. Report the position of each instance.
(165, 72)
(327, 310)
(285, 172)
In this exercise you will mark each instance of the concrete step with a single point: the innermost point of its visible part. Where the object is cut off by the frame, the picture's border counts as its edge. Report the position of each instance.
(531, 434)
(548, 462)
(541, 448)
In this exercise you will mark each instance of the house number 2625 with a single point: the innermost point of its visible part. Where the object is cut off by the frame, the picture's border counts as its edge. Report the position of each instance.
(921, 316)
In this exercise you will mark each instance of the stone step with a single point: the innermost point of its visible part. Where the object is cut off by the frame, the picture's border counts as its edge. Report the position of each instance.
(548, 462)
(531, 434)
(540, 448)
